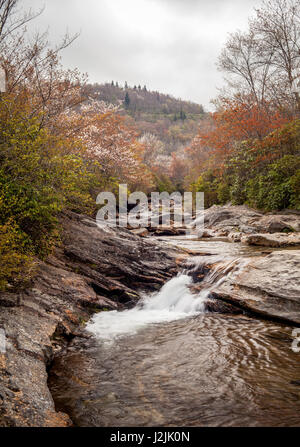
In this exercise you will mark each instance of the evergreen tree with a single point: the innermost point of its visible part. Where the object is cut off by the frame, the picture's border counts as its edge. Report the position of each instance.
(112, 83)
(127, 101)
(182, 115)
(126, 85)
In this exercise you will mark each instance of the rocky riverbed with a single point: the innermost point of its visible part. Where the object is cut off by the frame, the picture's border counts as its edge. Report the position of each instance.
(98, 269)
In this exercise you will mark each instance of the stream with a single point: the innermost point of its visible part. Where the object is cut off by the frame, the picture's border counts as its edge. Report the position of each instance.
(168, 362)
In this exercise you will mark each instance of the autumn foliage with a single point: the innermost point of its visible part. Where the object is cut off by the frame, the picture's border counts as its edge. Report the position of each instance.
(251, 161)
(236, 121)
(248, 150)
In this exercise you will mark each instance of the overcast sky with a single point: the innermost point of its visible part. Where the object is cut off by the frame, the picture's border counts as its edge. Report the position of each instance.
(169, 45)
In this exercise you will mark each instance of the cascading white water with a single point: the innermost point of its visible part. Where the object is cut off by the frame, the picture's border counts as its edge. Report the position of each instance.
(172, 302)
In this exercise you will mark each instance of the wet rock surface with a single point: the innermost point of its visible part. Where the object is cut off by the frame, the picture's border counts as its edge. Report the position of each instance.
(95, 269)
(268, 286)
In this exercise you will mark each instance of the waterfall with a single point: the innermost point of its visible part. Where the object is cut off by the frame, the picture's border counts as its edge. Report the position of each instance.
(174, 301)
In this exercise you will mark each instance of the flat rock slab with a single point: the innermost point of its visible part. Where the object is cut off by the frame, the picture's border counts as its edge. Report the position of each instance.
(269, 286)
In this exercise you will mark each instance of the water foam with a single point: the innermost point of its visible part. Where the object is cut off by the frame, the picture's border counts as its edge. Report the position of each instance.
(172, 302)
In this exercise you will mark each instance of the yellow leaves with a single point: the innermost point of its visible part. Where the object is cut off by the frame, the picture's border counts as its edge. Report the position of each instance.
(16, 267)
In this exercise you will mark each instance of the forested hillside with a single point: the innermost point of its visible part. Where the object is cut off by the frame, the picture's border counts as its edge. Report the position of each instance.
(173, 121)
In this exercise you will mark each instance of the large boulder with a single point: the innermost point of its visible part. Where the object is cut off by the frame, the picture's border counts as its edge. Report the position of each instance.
(228, 220)
(267, 285)
(278, 223)
(272, 240)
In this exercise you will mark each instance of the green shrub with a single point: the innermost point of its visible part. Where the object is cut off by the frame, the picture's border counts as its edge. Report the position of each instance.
(40, 175)
(223, 193)
(207, 183)
(16, 263)
(277, 189)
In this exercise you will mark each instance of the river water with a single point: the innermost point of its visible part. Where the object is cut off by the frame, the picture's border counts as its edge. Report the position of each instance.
(167, 362)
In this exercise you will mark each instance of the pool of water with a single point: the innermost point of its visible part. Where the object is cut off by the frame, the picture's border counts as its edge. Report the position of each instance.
(169, 363)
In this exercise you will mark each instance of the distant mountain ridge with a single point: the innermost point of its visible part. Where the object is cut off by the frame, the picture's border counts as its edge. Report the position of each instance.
(173, 121)
(143, 100)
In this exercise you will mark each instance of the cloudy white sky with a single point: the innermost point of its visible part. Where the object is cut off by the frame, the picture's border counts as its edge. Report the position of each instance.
(169, 45)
